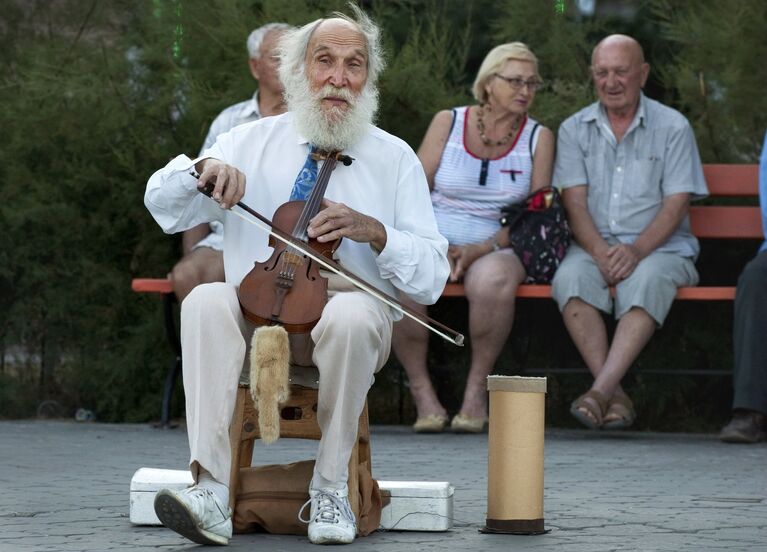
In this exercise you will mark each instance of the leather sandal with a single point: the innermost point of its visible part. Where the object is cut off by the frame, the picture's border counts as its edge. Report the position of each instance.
(598, 412)
(621, 406)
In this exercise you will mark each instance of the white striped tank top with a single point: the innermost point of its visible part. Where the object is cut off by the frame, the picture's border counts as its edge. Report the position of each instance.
(469, 191)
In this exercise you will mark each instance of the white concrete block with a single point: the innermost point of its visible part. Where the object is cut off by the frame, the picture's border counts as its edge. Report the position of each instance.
(413, 505)
(417, 505)
(144, 486)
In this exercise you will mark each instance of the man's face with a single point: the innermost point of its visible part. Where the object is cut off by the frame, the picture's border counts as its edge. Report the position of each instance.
(619, 75)
(265, 68)
(336, 66)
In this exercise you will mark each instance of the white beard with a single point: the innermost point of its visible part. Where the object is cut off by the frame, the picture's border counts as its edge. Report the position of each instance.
(334, 128)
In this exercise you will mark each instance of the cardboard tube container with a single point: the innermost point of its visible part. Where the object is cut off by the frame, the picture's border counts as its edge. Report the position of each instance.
(515, 455)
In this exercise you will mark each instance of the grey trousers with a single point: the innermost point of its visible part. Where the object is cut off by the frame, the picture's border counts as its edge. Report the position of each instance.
(348, 345)
(750, 337)
(652, 286)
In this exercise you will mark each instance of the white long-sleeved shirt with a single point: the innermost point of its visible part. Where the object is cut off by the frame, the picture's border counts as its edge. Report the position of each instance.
(386, 181)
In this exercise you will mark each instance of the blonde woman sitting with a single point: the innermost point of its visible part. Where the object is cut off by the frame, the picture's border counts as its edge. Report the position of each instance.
(477, 159)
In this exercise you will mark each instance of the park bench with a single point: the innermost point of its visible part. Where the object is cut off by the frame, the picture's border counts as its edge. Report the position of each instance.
(708, 221)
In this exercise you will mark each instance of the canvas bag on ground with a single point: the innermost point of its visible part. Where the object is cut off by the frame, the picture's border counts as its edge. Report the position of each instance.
(269, 498)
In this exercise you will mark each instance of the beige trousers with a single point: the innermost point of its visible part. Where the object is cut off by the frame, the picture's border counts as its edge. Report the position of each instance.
(348, 345)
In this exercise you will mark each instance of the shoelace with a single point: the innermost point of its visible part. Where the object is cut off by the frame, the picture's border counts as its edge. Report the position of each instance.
(207, 493)
(329, 506)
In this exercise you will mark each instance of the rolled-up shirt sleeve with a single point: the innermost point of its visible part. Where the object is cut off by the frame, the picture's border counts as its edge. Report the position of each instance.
(415, 257)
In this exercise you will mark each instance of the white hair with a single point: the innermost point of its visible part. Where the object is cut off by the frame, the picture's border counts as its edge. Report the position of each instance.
(256, 38)
(294, 43)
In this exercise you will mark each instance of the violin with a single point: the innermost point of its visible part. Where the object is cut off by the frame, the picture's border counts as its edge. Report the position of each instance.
(287, 289)
(289, 268)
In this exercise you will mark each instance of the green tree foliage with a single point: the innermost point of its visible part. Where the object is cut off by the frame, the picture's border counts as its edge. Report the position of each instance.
(563, 48)
(424, 75)
(719, 72)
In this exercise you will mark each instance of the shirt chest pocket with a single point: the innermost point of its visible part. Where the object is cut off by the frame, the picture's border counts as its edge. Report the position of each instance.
(646, 178)
(595, 169)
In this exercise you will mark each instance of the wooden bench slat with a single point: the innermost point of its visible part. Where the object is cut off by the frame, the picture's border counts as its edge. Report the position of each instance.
(534, 291)
(151, 285)
(714, 221)
(732, 180)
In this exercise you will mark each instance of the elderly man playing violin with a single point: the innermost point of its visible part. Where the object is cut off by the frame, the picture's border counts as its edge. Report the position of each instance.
(379, 204)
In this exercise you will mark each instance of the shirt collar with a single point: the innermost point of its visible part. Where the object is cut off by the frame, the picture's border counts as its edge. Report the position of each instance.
(595, 111)
(251, 108)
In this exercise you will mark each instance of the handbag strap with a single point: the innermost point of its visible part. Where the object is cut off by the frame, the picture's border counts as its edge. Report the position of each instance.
(532, 139)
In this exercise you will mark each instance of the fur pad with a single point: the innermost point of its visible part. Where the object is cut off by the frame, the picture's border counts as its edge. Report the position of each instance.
(269, 378)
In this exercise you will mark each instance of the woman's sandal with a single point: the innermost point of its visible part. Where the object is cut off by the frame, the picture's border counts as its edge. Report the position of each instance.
(597, 410)
(621, 406)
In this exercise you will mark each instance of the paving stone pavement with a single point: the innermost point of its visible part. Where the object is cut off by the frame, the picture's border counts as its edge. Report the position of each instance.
(64, 486)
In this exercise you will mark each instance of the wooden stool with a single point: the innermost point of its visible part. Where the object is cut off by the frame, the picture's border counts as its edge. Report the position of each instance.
(298, 419)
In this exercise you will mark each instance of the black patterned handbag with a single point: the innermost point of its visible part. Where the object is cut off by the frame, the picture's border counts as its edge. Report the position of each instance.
(538, 233)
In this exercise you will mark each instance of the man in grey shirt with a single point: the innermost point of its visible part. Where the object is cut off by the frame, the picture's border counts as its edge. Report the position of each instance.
(203, 245)
(629, 167)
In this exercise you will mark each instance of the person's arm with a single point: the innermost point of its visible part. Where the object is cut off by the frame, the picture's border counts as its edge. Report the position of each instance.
(624, 257)
(576, 202)
(543, 160)
(172, 195)
(571, 175)
(192, 237)
(411, 253)
(433, 144)
(682, 179)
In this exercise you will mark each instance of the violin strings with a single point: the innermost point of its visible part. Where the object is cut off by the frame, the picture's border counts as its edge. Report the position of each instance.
(310, 208)
(301, 223)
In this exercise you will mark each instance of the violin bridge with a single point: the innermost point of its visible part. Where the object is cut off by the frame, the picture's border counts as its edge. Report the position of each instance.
(292, 258)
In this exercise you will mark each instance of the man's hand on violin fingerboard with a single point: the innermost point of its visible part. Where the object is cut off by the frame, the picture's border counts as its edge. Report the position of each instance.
(337, 220)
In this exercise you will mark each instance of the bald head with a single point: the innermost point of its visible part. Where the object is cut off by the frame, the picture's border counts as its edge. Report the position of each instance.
(623, 42)
(620, 73)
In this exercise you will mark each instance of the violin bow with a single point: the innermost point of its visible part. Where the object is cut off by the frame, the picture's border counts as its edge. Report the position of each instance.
(265, 224)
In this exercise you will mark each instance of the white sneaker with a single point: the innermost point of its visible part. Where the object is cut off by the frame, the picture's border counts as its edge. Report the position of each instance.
(195, 513)
(331, 520)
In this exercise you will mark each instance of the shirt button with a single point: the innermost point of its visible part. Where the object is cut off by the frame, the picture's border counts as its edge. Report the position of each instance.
(619, 169)
(615, 194)
(612, 222)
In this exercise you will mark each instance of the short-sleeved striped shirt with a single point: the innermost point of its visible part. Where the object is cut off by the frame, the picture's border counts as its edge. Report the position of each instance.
(469, 191)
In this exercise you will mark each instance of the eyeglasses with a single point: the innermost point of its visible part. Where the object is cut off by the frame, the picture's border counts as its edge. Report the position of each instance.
(517, 83)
